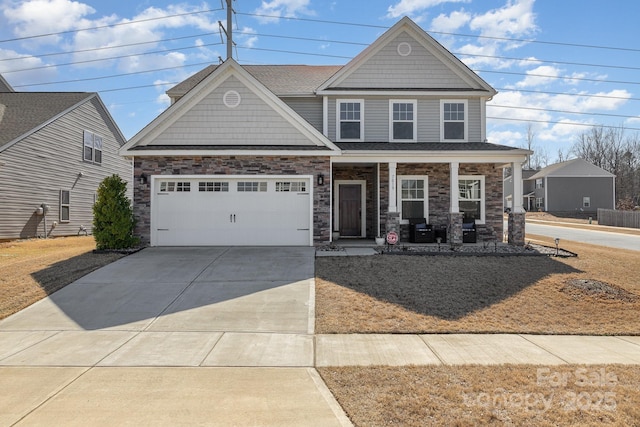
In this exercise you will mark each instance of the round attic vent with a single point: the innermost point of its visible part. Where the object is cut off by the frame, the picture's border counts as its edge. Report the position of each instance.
(231, 99)
(404, 49)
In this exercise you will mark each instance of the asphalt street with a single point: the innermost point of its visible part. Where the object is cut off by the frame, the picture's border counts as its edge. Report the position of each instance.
(594, 237)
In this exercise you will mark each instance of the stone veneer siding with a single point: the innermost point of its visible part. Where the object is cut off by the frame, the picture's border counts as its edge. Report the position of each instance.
(439, 197)
(233, 165)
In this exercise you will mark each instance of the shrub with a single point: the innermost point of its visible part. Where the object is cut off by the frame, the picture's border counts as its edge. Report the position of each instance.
(113, 220)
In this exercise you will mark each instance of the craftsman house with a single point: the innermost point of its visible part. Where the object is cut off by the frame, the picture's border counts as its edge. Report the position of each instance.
(55, 149)
(295, 155)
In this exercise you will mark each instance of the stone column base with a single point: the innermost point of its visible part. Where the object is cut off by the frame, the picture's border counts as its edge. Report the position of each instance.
(516, 228)
(393, 223)
(454, 228)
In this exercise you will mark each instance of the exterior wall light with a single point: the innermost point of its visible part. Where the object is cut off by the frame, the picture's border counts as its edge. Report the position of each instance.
(320, 179)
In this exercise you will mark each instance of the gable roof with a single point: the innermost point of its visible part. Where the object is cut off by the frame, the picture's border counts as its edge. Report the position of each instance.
(457, 67)
(4, 85)
(282, 80)
(230, 69)
(572, 168)
(23, 113)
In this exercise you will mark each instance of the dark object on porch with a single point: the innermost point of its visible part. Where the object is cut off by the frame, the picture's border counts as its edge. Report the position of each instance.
(441, 232)
(468, 230)
(420, 231)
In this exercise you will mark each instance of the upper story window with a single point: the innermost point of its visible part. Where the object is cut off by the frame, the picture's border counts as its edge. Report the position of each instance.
(92, 147)
(350, 119)
(454, 120)
(403, 120)
(539, 183)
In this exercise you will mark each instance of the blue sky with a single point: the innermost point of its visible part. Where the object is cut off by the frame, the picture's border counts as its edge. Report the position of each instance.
(549, 60)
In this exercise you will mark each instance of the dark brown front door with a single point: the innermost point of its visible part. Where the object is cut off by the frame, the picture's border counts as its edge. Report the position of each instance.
(350, 200)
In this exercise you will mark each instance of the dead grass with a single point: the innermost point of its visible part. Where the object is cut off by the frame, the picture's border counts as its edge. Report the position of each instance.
(32, 269)
(488, 395)
(431, 294)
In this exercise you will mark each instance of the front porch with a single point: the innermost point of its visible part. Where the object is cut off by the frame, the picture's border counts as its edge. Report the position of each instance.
(370, 199)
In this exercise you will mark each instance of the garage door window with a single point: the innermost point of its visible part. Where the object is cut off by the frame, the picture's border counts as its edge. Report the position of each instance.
(298, 186)
(212, 186)
(254, 186)
(169, 186)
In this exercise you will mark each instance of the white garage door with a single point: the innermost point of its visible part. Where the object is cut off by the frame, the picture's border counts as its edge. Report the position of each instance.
(239, 211)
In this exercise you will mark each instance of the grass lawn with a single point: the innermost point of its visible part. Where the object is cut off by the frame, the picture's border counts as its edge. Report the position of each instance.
(32, 269)
(596, 293)
(522, 395)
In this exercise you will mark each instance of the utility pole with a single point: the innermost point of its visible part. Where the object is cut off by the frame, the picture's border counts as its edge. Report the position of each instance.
(229, 30)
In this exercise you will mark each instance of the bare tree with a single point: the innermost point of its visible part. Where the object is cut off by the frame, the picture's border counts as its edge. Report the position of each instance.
(540, 157)
(611, 149)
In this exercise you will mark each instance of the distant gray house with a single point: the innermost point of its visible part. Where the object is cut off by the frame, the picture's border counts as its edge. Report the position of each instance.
(574, 186)
(528, 194)
(55, 149)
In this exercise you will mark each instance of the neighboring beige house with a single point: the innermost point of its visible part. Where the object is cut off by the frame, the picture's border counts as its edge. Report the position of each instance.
(55, 149)
(295, 154)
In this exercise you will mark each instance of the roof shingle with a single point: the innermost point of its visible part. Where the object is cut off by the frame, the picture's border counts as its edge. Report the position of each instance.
(21, 112)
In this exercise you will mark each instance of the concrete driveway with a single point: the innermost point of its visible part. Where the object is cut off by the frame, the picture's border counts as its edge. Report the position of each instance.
(177, 336)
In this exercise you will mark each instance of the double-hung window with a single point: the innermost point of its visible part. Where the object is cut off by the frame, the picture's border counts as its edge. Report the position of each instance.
(454, 120)
(92, 147)
(539, 183)
(403, 120)
(65, 205)
(413, 197)
(350, 119)
(471, 198)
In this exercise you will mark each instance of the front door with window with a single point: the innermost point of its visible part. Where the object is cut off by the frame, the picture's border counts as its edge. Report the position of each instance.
(350, 205)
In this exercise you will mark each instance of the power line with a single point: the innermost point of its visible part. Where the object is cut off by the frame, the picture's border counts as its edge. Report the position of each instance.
(561, 111)
(586, 95)
(588, 46)
(547, 76)
(99, 27)
(558, 123)
(95, 49)
(111, 58)
(112, 76)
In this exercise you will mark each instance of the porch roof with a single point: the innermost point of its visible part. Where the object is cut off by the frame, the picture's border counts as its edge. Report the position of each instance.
(423, 146)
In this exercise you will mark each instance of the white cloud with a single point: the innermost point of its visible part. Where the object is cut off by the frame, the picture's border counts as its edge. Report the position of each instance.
(515, 19)
(540, 76)
(451, 22)
(409, 7)
(279, 8)
(508, 137)
(14, 61)
(46, 16)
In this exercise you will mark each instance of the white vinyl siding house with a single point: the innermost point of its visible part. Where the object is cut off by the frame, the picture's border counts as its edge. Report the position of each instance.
(40, 163)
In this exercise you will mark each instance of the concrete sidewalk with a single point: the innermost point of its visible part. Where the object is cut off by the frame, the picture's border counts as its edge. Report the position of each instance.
(218, 336)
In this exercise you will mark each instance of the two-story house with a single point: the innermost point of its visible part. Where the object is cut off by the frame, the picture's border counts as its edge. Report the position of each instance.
(55, 150)
(294, 154)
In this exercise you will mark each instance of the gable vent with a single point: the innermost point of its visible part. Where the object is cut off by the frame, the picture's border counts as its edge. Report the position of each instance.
(404, 49)
(231, 99)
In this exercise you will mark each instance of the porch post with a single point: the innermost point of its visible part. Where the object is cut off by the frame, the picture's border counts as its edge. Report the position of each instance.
(516, 223)
(393, 216)
(455, 217)
(393, 195)
(518, 195)
(455, 205)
